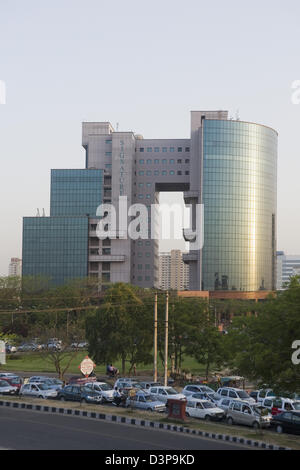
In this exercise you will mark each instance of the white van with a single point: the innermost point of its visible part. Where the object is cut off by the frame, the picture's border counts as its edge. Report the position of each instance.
(204, 409)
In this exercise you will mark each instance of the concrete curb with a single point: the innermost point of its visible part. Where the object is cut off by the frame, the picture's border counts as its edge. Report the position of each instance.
(141, 422)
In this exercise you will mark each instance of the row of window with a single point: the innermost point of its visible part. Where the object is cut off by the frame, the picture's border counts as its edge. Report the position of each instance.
(163, 172)
(164, 149)
(164, 161)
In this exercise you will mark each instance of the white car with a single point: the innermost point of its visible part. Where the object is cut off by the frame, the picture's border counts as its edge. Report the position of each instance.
(7, 374)
(280, 404)
(224, 404)
(264, 393)
(204, 409)
(235, 394)
(106, 390)
(39, 390)
(165, 393)
(7, 389)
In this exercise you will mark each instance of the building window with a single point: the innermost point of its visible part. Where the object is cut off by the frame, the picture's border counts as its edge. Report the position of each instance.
(140, 278)
(187, 149)
(149, 149)
(108, 165)
(164, 149)
(149, 185)
(147, 278)
(179, 160)
(156, 149)
(140, 254)
(108, 141)
(148, 254)
(156, 172)
(164, 161)
(148, 172)
(172, 161)
(172, 149)
(141, 196)
(147, 243)
(149, 162)
(148, 196)
(140, 266)
(142, 161)
(164, 172)
(156, 161)
(187, 160)
(172, 172)
(141, 173)
(141, 149)
(108, 154)
(140, 243)
(179, 149)
(141, 185)
(147, 266)
(187, 172)
(179, 172)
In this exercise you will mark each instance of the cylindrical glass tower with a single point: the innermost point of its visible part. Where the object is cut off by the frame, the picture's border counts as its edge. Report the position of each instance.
(239, 196)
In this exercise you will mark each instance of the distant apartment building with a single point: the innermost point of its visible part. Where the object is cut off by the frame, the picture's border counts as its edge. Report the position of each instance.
(287, 266)
(173, 272)
(15, 267)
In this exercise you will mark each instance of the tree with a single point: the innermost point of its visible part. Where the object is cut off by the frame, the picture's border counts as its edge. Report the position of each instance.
(260, 347)
(121, 328)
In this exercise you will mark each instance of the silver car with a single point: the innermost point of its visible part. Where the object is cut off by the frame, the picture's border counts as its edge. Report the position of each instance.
(7, 389)
(240, 412)
(39, 390)
(144, 401)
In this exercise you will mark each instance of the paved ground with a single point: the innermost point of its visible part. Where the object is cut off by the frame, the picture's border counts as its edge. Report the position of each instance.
(24, 430)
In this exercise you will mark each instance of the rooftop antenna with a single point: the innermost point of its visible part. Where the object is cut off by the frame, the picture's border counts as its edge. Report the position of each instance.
(44, 215)
(117, 126)
(38, 213)
(237, 115)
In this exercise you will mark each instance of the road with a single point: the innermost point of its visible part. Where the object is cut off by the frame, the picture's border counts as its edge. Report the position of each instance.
(28, 430)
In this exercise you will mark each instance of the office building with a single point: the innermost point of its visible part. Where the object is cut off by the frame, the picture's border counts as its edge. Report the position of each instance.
(15, 267)
(228, 166)
(173, 272)
(287, 266)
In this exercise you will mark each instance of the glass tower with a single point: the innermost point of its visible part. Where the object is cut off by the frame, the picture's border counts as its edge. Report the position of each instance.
(239, 197)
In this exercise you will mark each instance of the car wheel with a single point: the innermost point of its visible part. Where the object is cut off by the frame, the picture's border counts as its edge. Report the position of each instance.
(40, 396)
(149, 409)
(279, 429)
(207, 418)
(256, 425)
(230, 421)
(62, 399)
(187, 414)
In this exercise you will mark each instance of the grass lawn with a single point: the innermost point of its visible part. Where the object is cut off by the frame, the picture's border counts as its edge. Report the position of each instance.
(38, 362)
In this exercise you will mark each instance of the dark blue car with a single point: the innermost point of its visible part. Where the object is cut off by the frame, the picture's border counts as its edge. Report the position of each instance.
(79, 393)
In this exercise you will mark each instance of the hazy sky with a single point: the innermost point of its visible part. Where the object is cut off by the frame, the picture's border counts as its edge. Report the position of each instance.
(144, 65)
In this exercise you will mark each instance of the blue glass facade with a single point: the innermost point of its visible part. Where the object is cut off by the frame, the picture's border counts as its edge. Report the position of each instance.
(55, 247)
(76, 192)
(239, 197)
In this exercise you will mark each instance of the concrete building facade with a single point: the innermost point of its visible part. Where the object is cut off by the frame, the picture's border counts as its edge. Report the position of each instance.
(15, 267)
(173, 272)
(287, 266)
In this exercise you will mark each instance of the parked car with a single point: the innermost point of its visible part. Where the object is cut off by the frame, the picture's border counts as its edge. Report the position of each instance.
(79, 393)
(7, 389)
(51, 382)
(264, 393)
(234, 393)
(288, 421)
(54, 346)
(127, 383)
(204, 409)
(248, 414)
(27, 347)
(147, 385)
(278, 404)
(224, 404)
(9, 349)
(14, 381)
(80, 345)
(39, 390)
(165, 393)
(105, 390)
(144, 401)
(7, 374)
(213, 397)
(253, 394)
(192, 388)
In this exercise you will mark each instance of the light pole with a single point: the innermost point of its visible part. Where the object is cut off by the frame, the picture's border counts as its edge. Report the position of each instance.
(155, 338)
(166, 339)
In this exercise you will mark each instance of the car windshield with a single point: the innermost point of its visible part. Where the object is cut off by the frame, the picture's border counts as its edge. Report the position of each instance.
(206, 404)
(242, 394)
(171, 391)
(206, 389)
(297, 405)
(105, 387)
(147, 398)
(260, 410)
(43, 387)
